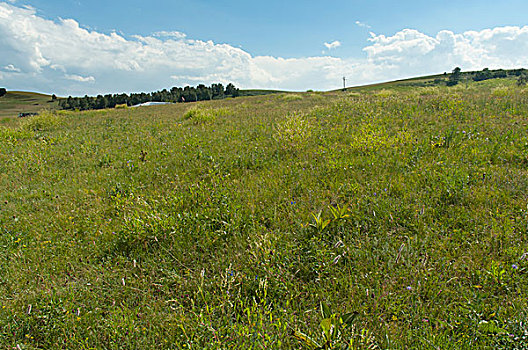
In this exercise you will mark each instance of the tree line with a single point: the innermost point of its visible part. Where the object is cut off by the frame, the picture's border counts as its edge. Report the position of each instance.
(174, 95)
(485, 74)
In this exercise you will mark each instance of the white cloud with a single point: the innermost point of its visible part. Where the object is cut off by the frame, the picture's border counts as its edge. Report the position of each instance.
(362, 25)
(332, 45)
(11, 68)
(412, 52)
(173, 35)
(79, 78)
(62, 57)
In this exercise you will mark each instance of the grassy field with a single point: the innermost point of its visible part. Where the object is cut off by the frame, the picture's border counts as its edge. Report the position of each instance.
(244, 93)
(15, 102)
(388, 218)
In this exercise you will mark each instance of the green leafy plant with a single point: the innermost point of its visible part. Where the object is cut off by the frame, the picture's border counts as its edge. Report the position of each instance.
(333, 331)
(339, 212)
(319, 223)
(496, 272)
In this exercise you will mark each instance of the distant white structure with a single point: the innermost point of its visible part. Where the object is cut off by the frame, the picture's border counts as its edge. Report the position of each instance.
(146, 104)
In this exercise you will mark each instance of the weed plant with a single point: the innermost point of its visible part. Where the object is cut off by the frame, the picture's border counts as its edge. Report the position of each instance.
(291, 97)
(200, 115)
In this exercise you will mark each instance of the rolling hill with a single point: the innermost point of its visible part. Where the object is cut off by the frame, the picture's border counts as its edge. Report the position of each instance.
(15, 102)
(389, 217)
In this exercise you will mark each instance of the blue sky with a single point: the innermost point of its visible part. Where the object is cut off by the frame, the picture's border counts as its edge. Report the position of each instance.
(286, 28)
(136, 45)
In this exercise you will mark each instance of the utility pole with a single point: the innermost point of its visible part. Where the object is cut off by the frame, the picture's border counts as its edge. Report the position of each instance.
(344, 84)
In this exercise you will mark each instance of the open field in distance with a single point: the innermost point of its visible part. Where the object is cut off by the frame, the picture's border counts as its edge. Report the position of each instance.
(16, 102)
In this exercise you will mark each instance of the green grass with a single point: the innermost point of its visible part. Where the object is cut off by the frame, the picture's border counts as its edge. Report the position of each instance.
(256, 92)
(394, 219)
(15, 102)
(429, 81)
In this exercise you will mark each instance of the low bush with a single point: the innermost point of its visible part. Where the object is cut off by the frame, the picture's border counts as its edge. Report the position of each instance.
(200, 115)
(45, 121)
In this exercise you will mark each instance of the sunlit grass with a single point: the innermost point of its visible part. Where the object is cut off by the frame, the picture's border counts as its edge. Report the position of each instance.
(395, 219)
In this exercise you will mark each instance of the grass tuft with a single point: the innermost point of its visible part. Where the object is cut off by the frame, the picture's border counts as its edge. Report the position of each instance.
(199, 115)
(291, 97)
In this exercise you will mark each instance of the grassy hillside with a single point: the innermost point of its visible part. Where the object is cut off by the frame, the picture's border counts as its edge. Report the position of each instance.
(438, 80)
(15, 102)
(390, 218)
(259, 92)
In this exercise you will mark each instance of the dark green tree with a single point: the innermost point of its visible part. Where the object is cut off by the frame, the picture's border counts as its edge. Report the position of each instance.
(500, 74)
(100, 102)
(455, 76)
(3, 91)
(83, 103)
(218, 91)
(485, 74)
(175, 94)
(203, 93)
(231, 90)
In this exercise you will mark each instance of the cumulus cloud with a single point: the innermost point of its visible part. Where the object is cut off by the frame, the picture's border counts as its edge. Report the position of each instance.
(59, 56)
(11, 68)
(332, 45)
(79, 78)
(362, 25)
(174, 35)
(412, 52)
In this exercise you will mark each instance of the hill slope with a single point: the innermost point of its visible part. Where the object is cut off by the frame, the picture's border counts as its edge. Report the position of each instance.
(391, 219)
(15, 102)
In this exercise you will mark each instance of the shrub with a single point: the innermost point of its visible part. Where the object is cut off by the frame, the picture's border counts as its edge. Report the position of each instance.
(291, 97)
(385, 93)
(205, 115)
(45, 121)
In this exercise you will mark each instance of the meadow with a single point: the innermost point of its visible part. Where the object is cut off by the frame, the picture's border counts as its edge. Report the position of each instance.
(379, 218)
(16, 102)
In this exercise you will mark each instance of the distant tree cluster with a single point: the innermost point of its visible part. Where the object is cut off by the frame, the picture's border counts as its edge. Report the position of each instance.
(486, 74)
(457, 75)
(175, 94)
(3, 91)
